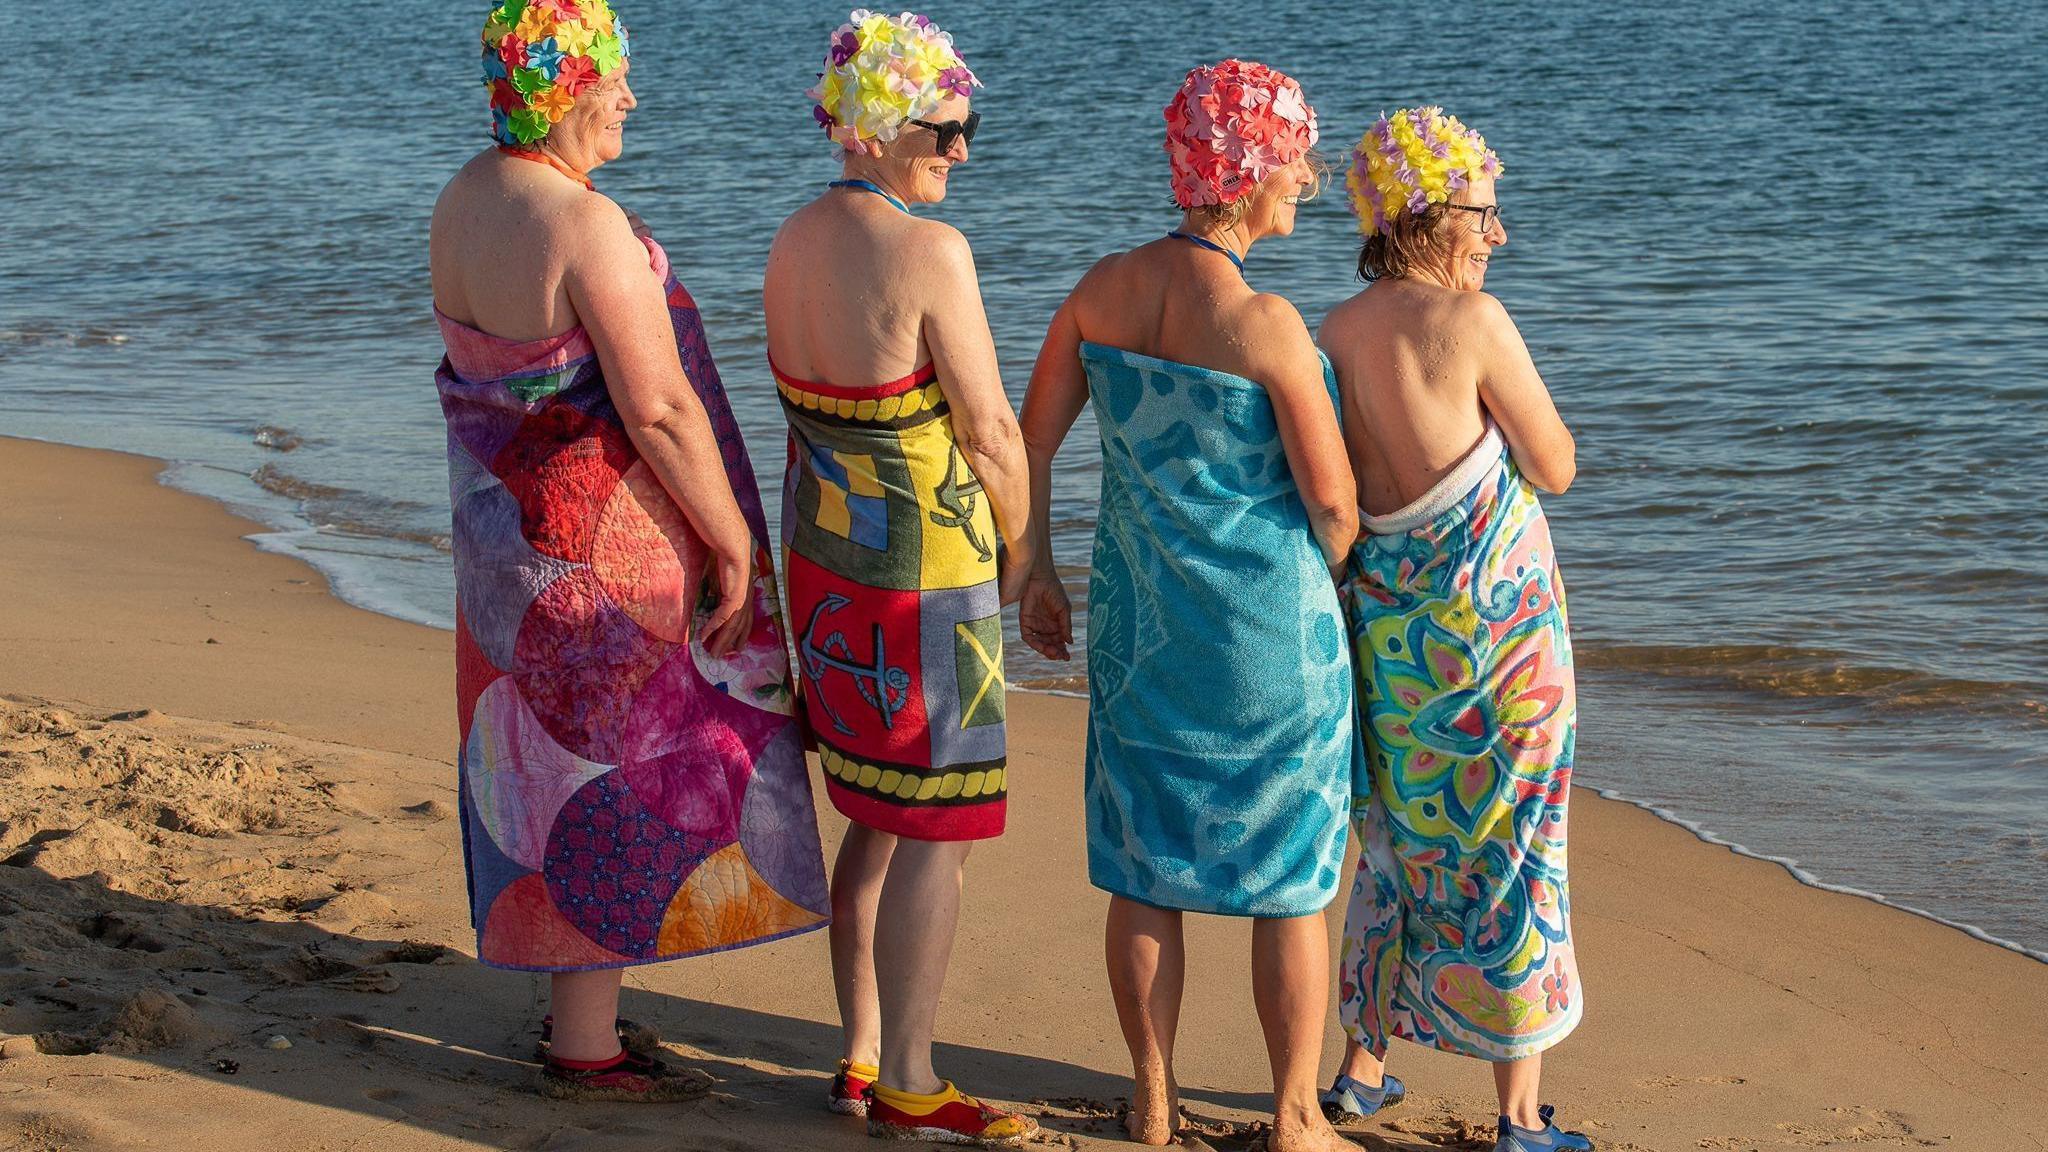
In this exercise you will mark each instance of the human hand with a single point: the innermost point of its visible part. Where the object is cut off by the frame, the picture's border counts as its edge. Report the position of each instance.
(729, 577)
(1045, 618)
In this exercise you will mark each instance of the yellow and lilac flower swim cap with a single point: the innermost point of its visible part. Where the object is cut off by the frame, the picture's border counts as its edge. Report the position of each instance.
(539, 55)
(882, 72)
(1410, 160)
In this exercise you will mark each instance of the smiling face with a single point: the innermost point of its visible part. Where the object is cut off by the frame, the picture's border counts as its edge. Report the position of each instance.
(911, 165)
(1468, 237)
(593, 131)
(1273, 203)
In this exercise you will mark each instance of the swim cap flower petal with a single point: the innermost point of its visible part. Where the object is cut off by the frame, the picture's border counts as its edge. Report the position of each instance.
(881, 72)
(1412, 159)
(574, 37)
(539, 55)
(1230, 126)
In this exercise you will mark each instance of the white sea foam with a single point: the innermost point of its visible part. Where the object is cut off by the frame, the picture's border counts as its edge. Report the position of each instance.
(356, 577)
(1810, 880)
(363, 571)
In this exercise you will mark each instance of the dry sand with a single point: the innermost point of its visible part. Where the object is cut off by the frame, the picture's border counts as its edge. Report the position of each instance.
(226, 815)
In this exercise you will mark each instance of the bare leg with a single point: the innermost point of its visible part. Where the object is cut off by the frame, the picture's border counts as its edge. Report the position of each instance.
(1519, 1084)
(1147, 970)
(586, 1010)
(1361, 1065)
(1290, 985)
(914, 922)
(857, 878)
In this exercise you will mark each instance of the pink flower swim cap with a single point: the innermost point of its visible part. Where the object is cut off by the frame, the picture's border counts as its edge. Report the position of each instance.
(1230, 126)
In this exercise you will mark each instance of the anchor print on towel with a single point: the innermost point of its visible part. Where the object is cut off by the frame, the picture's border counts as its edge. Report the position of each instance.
(956, 503)
(885, 688)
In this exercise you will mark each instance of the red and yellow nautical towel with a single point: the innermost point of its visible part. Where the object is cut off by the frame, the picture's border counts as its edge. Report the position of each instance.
(892, 592)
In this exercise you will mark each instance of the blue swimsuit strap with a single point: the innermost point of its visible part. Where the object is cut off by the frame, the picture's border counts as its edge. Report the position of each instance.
(866, 186)
(1211, 245)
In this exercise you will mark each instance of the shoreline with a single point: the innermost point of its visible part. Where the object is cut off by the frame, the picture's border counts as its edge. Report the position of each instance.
(349, 587)
(1732, 1006)
(1792, 868)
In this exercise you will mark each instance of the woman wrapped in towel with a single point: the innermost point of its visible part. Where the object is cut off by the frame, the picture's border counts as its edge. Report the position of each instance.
(1221, 744)
(905, 469)
(1458, 934)
(632, 772)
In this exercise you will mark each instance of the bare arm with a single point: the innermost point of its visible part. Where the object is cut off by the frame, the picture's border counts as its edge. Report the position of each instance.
(1283, 358)
(1058, 391)
(1518, 401)
(619, 302)
(963, 352)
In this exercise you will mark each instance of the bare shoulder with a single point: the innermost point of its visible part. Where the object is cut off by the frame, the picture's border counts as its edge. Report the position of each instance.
(593, 221)
(594, 239)
(1102, 285)
(1343, 321)
(468, 181)
(1103, 271)
(809, 215)
(945, 246)
(1275, 340)
(931, 254)
(1272, 321)
(1480, 312)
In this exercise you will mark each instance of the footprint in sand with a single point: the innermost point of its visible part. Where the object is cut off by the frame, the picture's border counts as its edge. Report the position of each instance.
(1689, 1081)
(1855, 1125)
(395, 1098)
(367, 980)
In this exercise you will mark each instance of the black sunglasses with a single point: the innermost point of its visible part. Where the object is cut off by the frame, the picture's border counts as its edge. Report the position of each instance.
(1489, 215)
(951, 130)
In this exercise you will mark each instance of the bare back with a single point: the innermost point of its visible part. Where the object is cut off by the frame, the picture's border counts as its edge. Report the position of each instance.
(1174, 301)
(1408, 378)
(850, 285)
(1420, 370)
(505, 234)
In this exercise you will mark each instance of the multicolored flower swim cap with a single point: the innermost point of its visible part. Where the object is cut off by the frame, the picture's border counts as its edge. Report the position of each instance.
(1410, 160)
(539, 55)
(882, 72)
(1232, 125)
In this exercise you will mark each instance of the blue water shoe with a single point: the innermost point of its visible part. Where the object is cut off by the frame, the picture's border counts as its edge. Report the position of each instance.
(1549, 1138)
(1348, 1100)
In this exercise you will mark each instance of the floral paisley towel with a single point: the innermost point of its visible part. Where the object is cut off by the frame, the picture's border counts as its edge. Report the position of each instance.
(892, 593)
(1458, 934)
(626, 796)
(1221, 736)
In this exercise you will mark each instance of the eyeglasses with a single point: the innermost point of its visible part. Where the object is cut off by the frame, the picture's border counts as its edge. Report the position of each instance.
(951, 130)
(1489, 215)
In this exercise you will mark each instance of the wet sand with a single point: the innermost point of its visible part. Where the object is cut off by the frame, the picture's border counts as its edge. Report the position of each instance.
(227, 815)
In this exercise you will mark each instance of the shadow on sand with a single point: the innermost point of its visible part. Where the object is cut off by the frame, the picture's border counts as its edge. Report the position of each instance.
(421, 1035)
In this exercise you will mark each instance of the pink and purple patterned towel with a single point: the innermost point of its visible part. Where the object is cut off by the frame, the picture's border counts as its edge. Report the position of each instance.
(627, 797)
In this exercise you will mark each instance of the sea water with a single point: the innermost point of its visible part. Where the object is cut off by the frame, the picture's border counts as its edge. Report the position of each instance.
(1781, 266)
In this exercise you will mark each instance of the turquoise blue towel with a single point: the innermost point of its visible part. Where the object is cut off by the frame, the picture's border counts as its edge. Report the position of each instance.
(1221, 740)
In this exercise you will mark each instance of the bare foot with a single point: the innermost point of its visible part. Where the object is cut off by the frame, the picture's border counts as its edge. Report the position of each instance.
(1309, 1133)
(1155, 1112)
